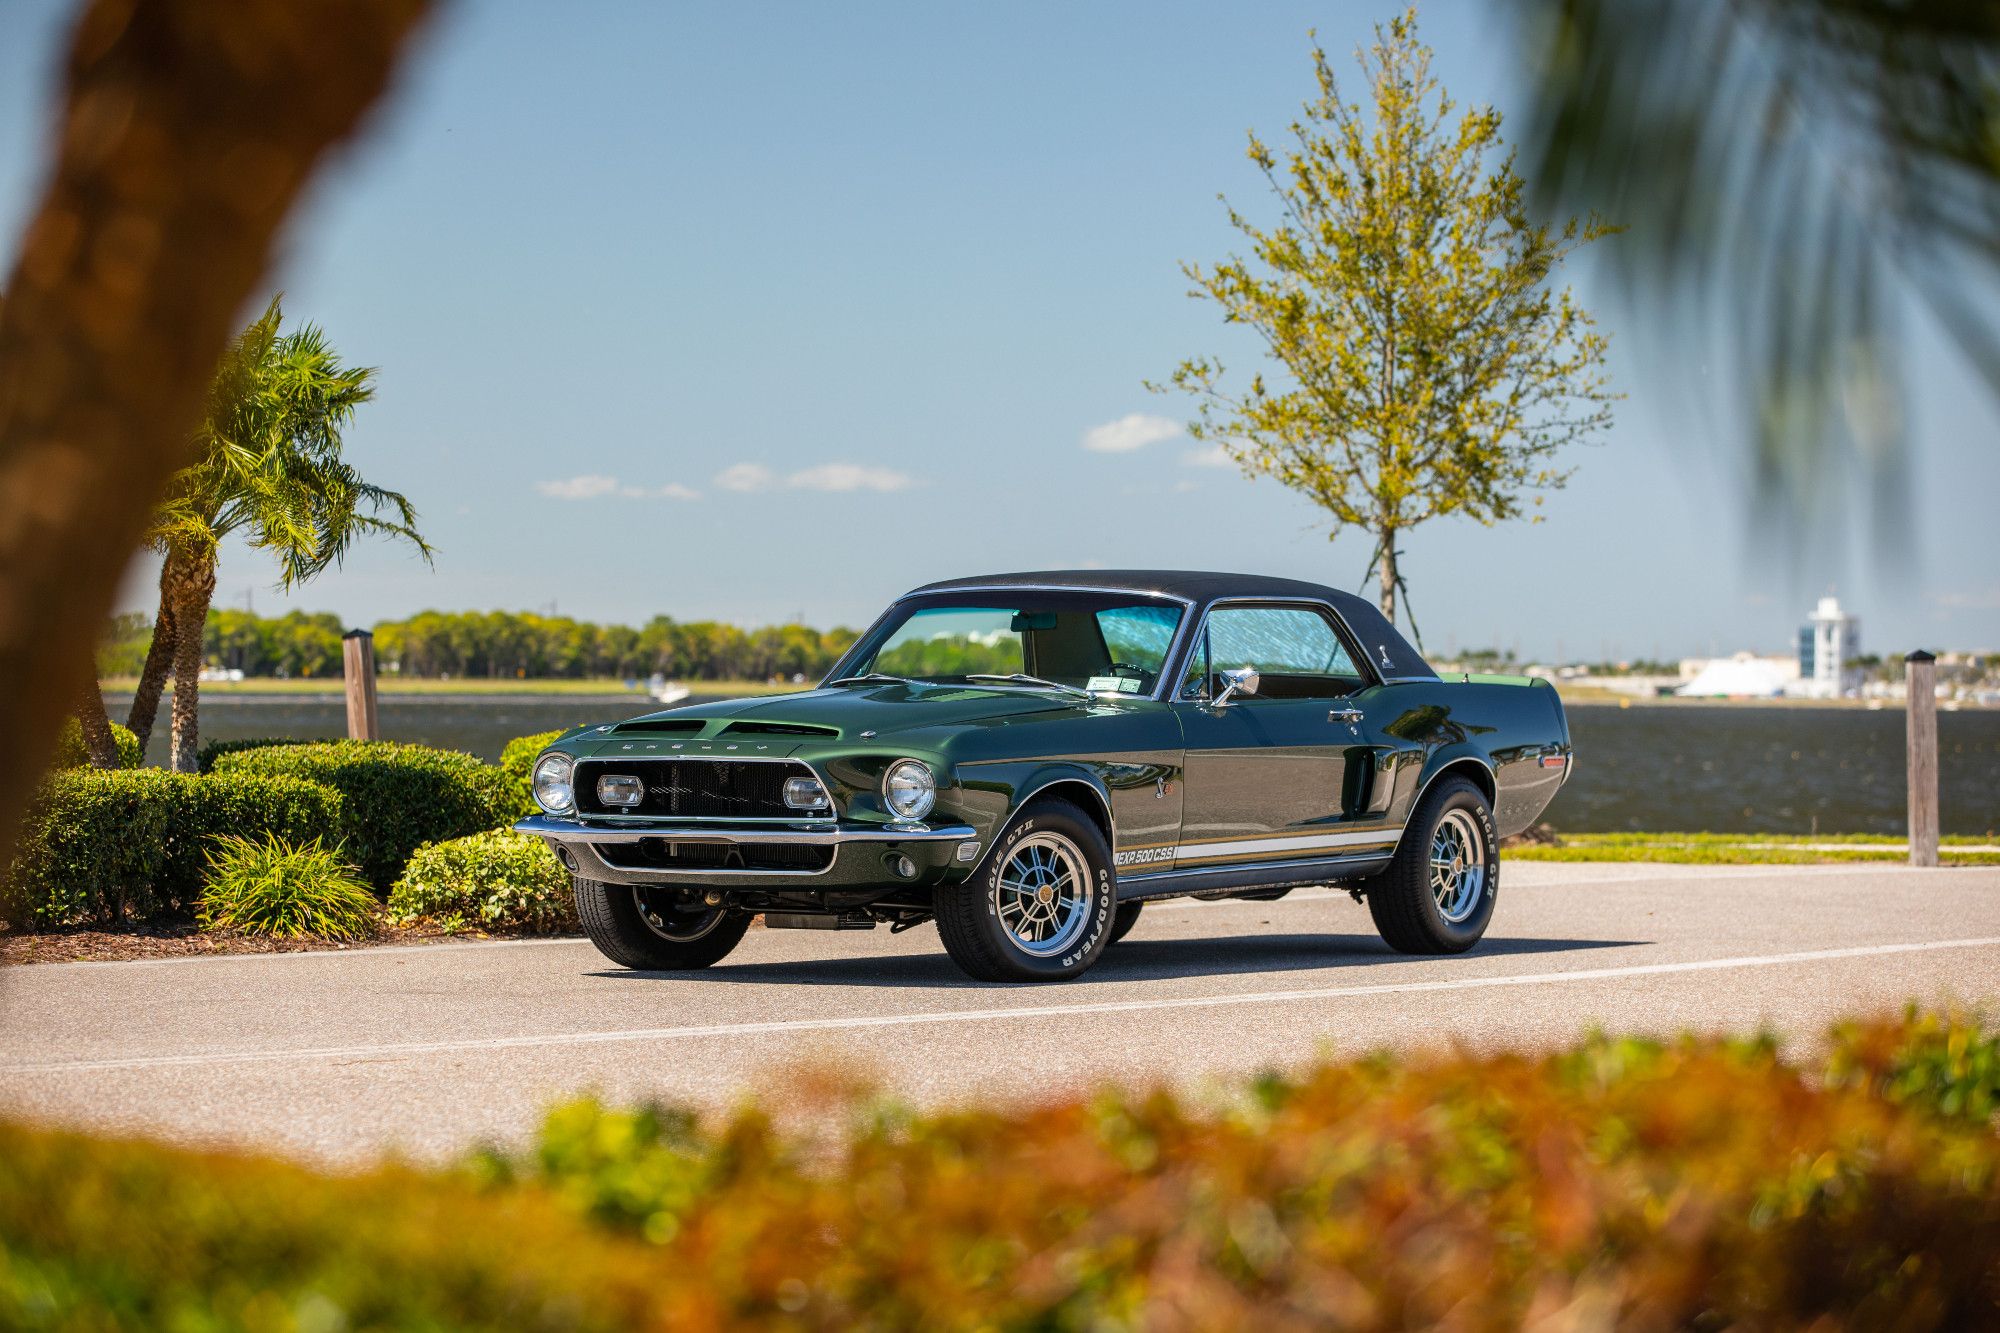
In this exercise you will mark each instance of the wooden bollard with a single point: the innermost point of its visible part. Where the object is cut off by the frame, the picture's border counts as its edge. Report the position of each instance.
(357, 655)
(1921, 675)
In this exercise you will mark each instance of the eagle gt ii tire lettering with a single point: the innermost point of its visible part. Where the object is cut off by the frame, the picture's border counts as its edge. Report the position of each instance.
(1040, 906)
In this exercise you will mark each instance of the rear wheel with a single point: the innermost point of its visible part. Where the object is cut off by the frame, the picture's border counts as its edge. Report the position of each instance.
(1437, 895)
(1039, 908)
(1123, 920)
(649, 928)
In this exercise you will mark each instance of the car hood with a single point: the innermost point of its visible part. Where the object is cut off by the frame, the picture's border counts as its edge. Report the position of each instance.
(845, 713)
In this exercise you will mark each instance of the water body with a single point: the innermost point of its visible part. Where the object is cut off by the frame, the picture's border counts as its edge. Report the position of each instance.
(1733, 769)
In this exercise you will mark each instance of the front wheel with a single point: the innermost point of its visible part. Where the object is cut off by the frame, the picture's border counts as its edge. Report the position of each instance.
(650, 929)
(1039, 908)
(1437, 894)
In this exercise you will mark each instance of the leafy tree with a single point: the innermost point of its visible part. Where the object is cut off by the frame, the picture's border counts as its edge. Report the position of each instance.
(270, 469)
(1420, 363)
(1798, 175)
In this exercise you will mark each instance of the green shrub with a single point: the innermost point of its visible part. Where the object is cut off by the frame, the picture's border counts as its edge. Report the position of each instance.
(290, 890)
(131, 845)
(70, 751)
(1620, 1184)
(397, 797)
(498, 880)
(205, 757)
(1944, 1064)
(517, 761)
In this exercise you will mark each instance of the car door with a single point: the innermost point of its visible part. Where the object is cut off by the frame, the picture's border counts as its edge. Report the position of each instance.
(1265, 775)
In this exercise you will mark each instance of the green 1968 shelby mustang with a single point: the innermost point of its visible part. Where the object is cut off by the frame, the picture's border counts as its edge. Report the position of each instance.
(1027, 759)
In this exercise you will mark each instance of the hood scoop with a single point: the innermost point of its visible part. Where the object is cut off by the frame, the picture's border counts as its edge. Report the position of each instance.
(659, 725)
(778, 729)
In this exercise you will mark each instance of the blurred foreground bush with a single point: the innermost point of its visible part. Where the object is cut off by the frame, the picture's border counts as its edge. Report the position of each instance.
(1621, 1183)
(497, 880)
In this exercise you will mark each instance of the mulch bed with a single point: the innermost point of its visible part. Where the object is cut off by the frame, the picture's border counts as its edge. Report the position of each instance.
(184, 939)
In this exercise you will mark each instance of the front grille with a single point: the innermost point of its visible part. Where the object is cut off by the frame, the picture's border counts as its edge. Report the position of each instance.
(661, 854)
(697, 788)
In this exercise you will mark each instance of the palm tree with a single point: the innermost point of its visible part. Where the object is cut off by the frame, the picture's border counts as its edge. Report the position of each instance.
(270, 470)
(1790, 173)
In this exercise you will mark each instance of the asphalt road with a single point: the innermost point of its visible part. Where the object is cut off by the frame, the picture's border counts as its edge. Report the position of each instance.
(425, 1050)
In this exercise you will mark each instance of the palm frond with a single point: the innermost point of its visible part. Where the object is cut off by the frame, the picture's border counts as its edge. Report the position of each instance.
(271, 467)
(1789, 171)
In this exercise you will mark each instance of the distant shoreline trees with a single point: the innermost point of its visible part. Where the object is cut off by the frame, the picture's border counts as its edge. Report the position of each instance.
(496, 645)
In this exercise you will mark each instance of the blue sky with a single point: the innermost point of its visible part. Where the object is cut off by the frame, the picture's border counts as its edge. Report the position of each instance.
(755, 311)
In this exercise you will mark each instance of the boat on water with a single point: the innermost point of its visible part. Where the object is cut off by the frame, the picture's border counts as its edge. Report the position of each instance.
(666, 691)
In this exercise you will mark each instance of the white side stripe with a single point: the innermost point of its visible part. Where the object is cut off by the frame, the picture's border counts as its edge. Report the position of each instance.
(1248, 846)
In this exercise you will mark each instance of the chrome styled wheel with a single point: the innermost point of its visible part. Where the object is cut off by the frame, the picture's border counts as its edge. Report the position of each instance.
(1458, 865)
(1044, 895)
(671, 921)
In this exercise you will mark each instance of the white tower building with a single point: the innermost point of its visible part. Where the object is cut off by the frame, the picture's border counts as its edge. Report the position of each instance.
(1827, 643)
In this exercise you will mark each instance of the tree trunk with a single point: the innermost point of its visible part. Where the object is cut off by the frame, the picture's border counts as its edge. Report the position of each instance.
(1388, 567)
(192, 592)
(188, 130)
(159, 663)
(97, 741)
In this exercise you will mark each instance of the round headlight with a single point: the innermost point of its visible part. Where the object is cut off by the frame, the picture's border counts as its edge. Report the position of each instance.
(552, 785)
(908, 789)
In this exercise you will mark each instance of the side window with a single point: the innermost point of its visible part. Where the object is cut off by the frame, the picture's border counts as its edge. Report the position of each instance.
(1294, 648)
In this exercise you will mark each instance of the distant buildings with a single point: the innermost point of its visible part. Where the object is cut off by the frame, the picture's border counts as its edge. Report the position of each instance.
(1744, 676)
(1828, 643)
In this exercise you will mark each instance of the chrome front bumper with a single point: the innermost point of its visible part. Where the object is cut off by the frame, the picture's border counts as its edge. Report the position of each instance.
(576, 842)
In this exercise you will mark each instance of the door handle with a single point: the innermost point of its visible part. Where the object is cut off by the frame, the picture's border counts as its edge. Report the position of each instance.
(1351, 716)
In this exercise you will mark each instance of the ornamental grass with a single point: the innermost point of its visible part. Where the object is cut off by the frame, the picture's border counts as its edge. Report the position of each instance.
(287, 890)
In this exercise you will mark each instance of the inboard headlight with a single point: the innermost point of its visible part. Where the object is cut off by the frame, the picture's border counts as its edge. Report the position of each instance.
(909, 789)
(621, 790)
(805, 794)
(552, 783)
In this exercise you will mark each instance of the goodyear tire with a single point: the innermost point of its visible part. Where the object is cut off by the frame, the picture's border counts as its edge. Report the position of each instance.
(1437, 896)
(1124, 919)
(647, 930)
(1039, 907)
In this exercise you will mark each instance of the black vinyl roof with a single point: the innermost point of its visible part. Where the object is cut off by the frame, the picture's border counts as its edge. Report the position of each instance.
(1391, 654)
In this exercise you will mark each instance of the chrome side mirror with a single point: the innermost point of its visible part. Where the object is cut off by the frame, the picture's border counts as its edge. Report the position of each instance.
(1243, 680)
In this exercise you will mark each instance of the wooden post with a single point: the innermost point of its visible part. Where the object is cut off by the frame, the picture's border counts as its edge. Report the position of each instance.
(1921, 676)
(357, 653)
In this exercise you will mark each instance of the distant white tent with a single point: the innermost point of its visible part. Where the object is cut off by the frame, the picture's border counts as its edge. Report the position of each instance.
(1740, 677)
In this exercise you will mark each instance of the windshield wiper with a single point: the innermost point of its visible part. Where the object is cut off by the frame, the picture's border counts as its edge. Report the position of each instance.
(878, 677)
(1023, 678)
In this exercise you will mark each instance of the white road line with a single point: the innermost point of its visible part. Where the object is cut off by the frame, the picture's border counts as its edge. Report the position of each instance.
(415, 1048)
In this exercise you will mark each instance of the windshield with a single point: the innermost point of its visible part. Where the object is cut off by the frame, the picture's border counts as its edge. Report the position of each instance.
(1107, 643)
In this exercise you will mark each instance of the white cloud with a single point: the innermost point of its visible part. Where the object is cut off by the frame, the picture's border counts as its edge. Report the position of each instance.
(595, 486)
(673, 490)
(589, 486)
(1134, 431)
(745, 477)
(1213, 456)
(849, 477)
